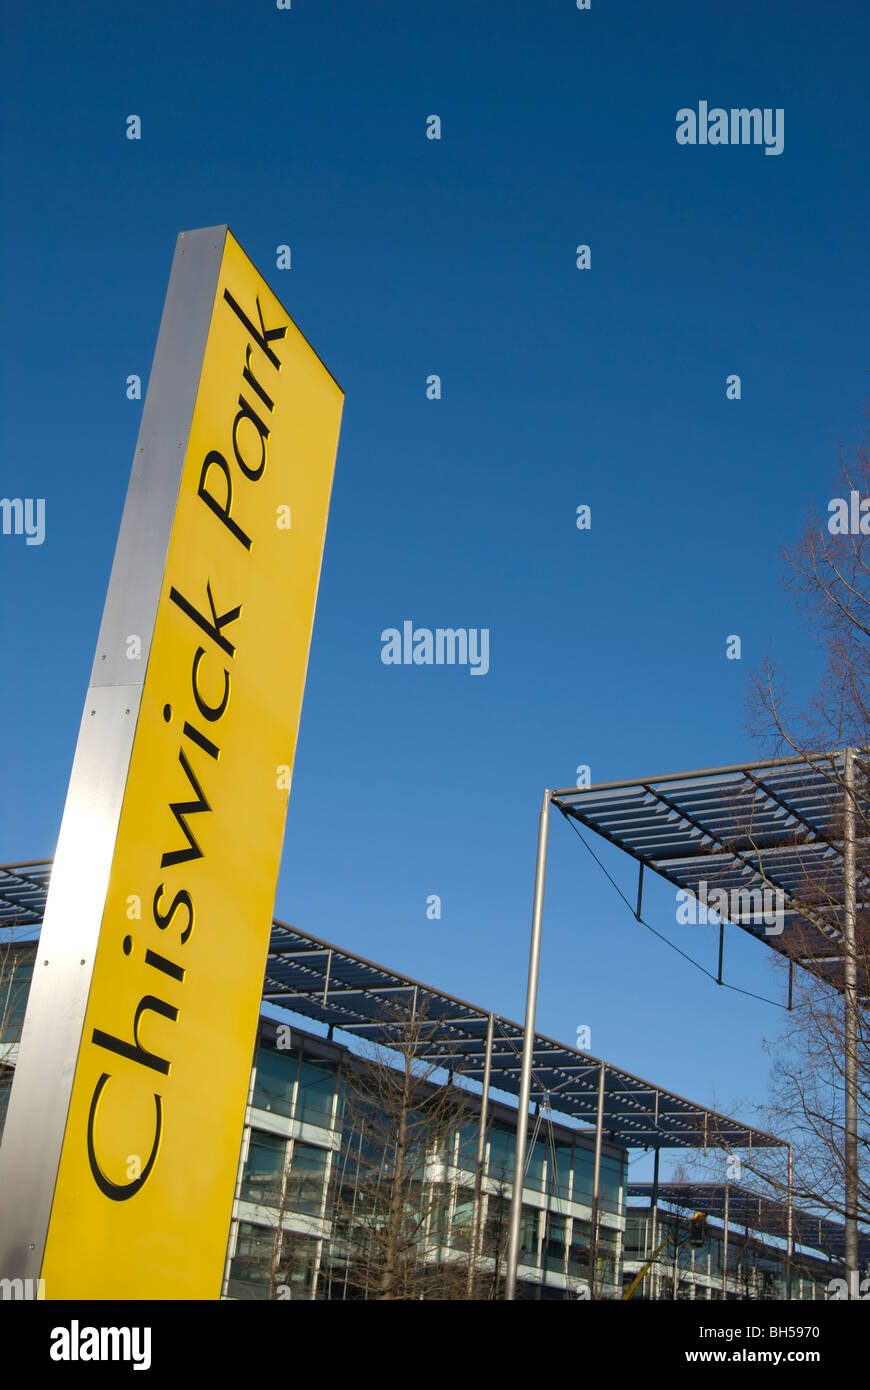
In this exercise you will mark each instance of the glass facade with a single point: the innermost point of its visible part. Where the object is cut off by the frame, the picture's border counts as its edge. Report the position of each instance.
(16, 973)
(311, 1170)
(756, 1269)
(14, 988)
(309, 1217)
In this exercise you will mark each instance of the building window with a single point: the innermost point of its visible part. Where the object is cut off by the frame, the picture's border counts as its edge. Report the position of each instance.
(608, 1256)
(534, 1178)
(297, 1264)
(529, 1252)
(6, 1074)
(496, 1228)
(555, 1236)
(610, 1184)
(252, 1263)
(468, 1139)
(265, 1266)
(578, 1251)
(315, 1094)
(264, 1168)
(560, 1176)
(15, 978)
(502, 1147)
(463, 1217)
(274, 1079)
(306, 1179)
(583, 1174)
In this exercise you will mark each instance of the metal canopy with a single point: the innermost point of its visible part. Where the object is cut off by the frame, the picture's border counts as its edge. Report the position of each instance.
(773, 828)
(320, 980)
(764, 1215)
(23, 891)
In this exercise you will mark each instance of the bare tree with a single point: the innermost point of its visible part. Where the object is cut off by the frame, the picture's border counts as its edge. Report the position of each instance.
(807, 1085)
(290, 1252)
(828, 575)
(487, 1283)
(398, 1193)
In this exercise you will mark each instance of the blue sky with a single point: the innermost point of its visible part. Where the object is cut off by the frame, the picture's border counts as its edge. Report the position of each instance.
(561, 387)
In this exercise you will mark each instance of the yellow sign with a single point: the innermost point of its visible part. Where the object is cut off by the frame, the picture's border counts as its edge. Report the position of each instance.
(147, 1173)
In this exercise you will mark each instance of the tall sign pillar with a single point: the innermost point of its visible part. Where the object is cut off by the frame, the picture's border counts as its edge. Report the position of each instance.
(119, 1157)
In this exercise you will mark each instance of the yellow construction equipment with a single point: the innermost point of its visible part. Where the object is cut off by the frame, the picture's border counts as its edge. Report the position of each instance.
(695, 1235)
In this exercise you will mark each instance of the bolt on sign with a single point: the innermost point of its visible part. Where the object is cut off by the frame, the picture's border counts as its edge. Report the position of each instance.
(121, 1149)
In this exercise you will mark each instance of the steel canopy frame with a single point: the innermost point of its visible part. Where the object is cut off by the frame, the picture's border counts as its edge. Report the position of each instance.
(742, 1207)
(786, 825)
(776, 826)
(320, 980)
(23, 891)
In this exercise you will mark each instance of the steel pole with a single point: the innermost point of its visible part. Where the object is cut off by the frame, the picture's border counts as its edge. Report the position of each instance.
(724, 1250)
(850, 1019)
(481, 1150)
(528, 1050)
(653, 1286)
(596, 1184)
(789, 1249)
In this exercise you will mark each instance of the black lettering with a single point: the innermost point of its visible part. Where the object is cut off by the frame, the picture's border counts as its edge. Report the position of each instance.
(248, 413)
(163, 919)
(167, 966)
(180, 809)
(120, 1192)
(209, 712)
(249, 377)
(216, 460)
(134, 1051)
(201, 741)
(213, 628)
(265, 336)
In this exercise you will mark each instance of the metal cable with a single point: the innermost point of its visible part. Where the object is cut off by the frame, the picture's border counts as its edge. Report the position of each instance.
(697, 964)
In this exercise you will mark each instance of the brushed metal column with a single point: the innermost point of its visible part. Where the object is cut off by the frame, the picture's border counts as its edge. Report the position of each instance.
(50, 1039)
